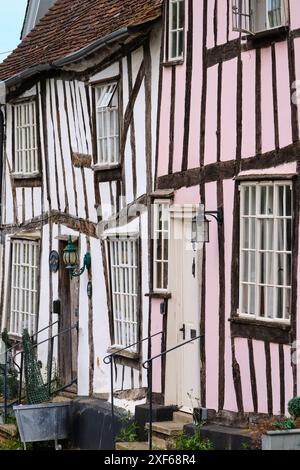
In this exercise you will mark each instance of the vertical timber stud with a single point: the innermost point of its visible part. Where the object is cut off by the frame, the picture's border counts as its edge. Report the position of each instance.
(188, 86)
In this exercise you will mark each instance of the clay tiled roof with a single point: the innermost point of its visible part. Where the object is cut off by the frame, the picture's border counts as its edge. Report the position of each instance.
(71, 25)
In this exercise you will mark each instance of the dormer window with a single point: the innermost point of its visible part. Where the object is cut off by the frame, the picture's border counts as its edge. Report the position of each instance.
(26, 161)
(254, 16)
(107, 111)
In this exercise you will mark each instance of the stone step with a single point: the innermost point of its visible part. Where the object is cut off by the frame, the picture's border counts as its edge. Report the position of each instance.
(68, 394)
(61, 399)
(8, 431)
(132, 446)
(180, 417)
(167, 428)
(159, 442)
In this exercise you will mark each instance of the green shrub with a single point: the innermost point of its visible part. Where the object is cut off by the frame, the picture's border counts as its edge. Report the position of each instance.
(294, 407)
(195, 442)
(284, 425)
(128, 429)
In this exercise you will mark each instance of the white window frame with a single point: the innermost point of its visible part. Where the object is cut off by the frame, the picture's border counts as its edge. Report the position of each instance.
(254, 250)
(244, 16)
(175, 31)
(26, 158)
(107, 124)
(24, 286)
(163, 206)
(125, 295)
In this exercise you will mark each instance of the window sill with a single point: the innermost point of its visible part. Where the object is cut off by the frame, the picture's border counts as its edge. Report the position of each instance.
(27, 181)
(267, 36)
(159, 295)
(106, 173)
(260, 330)
(125, 354)
(170, 63)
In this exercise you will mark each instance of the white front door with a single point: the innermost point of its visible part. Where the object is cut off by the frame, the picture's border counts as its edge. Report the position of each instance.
(183, 365)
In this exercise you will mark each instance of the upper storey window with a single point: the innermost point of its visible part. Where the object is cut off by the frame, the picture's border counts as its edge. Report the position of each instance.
(254, 16)
(107, 110)
(26, 162)
(176, 29)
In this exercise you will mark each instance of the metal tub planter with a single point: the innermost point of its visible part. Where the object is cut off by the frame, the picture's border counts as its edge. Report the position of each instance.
(45, 422)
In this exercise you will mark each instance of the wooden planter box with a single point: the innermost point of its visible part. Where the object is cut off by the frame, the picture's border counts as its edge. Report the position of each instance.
(281, 440)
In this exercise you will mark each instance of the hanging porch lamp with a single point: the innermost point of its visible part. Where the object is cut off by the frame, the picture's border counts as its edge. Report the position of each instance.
(200, 224)
(70, 258)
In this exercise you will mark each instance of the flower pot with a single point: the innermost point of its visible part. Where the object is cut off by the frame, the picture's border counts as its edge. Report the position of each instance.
(281, 440)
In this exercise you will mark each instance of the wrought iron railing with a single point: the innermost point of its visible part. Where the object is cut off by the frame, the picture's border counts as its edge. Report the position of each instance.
(148, 365)
(20, 365)
(109, 360)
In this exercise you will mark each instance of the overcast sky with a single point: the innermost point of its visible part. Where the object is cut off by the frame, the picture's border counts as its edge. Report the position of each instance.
(11, 19)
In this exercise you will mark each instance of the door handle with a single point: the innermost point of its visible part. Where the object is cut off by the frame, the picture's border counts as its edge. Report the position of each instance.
(183, 331)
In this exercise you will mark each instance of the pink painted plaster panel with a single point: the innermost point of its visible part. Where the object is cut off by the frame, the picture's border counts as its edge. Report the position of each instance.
(288, 376)
(212, 307)
(295, 13)
(164, 129)
(195, 114)
(228, 188)
(261, 380)
(249, 121)
(228, 119)
(210, 42)
(275, 378)
(242, 357)
(284, 95)
(179, 116)
(267, 110)
(211, 116)
(222, 25)
(156, 327)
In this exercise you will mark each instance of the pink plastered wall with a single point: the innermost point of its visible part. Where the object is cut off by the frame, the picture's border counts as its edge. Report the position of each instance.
(156, 327)
(195, 115)
(267, 103)
(283, 95)
(212, 306)
(228, 117)
(249, 127)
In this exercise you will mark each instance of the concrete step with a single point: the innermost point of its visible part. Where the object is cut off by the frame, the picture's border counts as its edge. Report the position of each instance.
(132, 446)
(180, 417)
(167, 428)
(8, 431)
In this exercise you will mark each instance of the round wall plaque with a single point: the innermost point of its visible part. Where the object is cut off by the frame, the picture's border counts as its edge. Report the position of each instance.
(54, 261)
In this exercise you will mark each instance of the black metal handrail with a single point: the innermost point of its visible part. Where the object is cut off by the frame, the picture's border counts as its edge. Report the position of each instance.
(109, 359)
(148, 365)
(50, 365)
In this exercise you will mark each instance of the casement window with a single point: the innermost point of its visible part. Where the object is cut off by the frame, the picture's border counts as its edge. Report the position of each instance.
(161, 227)
(253, 16)
(176, 29)
(107, 116)
(24, 287)
(26, 160)
(124, 274)
(266, 251)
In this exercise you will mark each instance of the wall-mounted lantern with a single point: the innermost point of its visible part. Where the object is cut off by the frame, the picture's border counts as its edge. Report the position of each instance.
(200, 224)
(71, 260)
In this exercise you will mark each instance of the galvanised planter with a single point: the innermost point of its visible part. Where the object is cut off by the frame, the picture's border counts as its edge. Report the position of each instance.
(281, 440)
(45, 422)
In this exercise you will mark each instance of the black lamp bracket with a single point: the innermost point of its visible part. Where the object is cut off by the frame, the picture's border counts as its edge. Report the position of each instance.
(218, 215)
